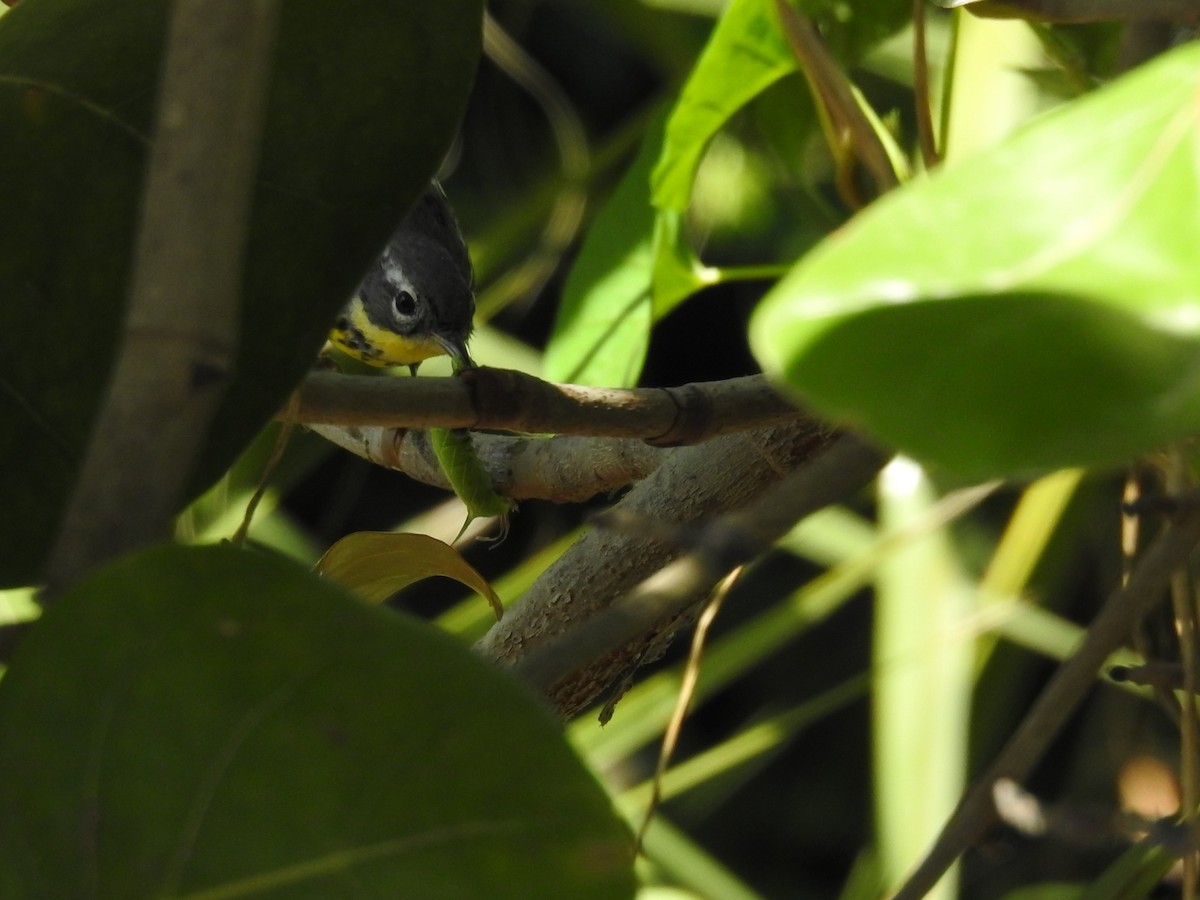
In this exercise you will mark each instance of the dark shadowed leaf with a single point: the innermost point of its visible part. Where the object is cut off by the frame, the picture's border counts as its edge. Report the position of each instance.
(351, 137)
(200, 722)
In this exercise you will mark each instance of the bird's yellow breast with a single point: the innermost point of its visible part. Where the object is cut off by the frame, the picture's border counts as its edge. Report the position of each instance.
(357, 336)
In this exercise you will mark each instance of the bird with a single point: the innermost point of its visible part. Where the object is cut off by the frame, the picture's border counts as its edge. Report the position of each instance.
(417, 300)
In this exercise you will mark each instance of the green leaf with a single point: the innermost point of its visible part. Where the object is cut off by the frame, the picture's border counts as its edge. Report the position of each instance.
(745, 54)
(921, 677)
(201, 722)
(602, 327)
(678, 272)
(1034, 307)
(376, 564)
(350, 139)
(1132, 875)
(1048, 890)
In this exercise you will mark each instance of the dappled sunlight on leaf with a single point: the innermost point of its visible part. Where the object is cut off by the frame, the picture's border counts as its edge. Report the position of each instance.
(1032, 307)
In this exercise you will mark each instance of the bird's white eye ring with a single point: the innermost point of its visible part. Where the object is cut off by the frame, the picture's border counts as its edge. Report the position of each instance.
(405, 304)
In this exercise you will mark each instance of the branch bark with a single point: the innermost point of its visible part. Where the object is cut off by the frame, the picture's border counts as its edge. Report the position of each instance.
(715, 549)
(691, 485)
(514, 401)
(1081, 11)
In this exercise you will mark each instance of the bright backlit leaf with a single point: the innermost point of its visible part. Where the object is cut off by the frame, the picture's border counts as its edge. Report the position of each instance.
(602, 327)
(1035, 306)
(745, 55)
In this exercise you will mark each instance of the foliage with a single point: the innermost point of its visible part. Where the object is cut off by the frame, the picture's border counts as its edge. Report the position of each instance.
(199, 721)
(77, 87)
(240, 693)
(1057, 323)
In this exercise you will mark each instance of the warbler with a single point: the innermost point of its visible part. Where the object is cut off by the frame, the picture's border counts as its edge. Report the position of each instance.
(418, 299)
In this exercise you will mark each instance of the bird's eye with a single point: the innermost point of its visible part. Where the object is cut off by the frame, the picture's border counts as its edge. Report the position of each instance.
(405, 304)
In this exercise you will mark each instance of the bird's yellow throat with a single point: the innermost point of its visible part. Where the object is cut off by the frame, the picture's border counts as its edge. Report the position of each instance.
(355, 335)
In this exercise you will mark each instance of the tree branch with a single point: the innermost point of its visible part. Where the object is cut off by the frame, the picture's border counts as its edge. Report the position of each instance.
(691, 484)
(180, 333)
(1080, 11)
(715, 548)
(513, 401)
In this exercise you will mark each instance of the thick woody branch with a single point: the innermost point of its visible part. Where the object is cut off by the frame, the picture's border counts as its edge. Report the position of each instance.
(691, 485)
(503, 399)
(715, 548)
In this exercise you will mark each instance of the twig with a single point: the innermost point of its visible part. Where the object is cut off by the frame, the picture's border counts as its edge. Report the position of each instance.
(1183, 599)
(502, 399)
(180, 332)
(925, 130)
(1066, 690)
(1083, 827)
(1167, 676)
(281, 441)
(687, 690)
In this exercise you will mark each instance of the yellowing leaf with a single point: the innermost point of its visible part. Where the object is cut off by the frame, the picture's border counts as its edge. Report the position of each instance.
(376, 564)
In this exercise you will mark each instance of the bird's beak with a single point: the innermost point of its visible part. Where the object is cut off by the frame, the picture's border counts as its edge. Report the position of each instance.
(456, 349)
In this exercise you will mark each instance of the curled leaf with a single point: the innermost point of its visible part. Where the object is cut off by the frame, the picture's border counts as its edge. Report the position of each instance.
(376, 564)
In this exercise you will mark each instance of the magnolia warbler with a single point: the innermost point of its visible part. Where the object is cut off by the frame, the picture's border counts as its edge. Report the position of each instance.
(418, 298)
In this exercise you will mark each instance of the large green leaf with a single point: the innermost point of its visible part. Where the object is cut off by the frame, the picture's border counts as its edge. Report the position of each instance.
(351, 136)
(1035, 306)
(745, 55)
(602, 327)
(200, 722)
